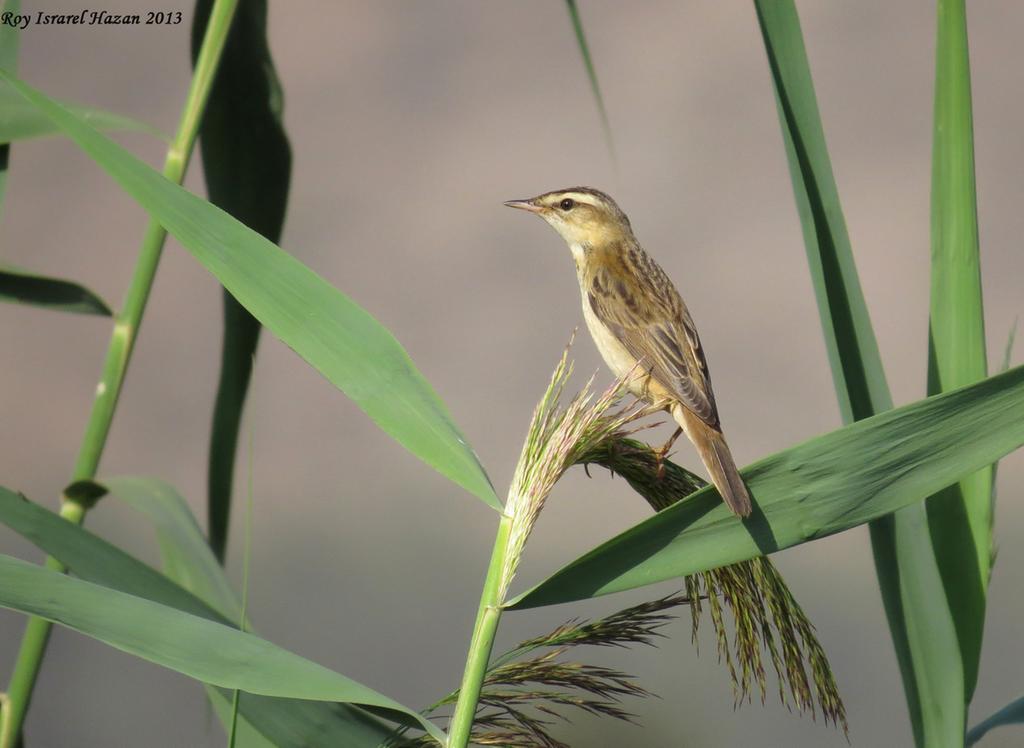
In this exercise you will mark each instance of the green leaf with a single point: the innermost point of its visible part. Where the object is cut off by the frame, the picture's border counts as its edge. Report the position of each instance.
(959, 517)
(93, 558)
(1011, 714)
(823, 486)
(188, 560)
(184, 552)
(245, 734)
(5, 162)
(859, 378)
(199, 648)
(19, 120)
(1008, 349)
(1004, 366)
(330, 331)
(247, 163)
(10, 42)
(23, 287)
(588, 63)
(292, 723)
(10, 38)
(908, 576)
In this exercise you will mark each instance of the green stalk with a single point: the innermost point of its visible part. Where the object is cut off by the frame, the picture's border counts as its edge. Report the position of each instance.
(119, 352)
(480, 645)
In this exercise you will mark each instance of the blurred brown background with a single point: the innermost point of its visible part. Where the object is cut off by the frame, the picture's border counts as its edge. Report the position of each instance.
(411, 122)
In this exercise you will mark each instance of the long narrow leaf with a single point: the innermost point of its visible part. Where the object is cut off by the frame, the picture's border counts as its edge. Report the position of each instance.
(19, 120)
(588, 63)
(199, 648)
(908, 576)
(10, 37)
(960, 517)
(185, 555)
(245, 734)
(10, 43)
(93, 559)
(1008, 348)
(247, 164)
(1011, 714)
(23, 287)
(823, 486)
(857, 371)
(5, 161)
(329, 330)
(187, 559)
(291, 723)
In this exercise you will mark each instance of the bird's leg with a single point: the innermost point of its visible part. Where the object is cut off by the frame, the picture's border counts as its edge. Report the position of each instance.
(661, 454)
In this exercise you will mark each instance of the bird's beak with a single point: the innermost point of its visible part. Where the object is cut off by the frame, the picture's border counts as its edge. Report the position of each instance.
(529, 205)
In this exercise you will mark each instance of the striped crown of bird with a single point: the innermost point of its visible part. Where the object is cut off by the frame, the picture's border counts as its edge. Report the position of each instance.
(635, 314)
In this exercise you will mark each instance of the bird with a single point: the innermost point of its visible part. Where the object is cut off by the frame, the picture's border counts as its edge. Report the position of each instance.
(641, 326)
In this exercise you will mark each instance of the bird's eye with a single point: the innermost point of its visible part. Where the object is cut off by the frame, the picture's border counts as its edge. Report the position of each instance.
(567, 204)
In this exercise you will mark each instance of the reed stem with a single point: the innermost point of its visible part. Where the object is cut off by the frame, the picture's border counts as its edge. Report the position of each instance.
(115, 366)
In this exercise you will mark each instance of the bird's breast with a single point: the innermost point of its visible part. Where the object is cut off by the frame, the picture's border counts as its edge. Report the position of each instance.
(614, 353)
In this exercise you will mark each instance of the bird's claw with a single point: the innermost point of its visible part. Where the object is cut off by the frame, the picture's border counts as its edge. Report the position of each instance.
(660, 456)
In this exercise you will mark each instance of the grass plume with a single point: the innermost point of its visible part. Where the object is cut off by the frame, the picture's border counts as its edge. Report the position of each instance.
(766, 619)
(523, 692)
(558, 438)
(526, 687)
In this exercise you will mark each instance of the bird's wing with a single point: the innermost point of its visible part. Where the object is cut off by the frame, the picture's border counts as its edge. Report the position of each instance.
(649, 318)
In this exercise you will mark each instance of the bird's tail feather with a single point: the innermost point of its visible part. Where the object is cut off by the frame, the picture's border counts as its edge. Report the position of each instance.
(715, 454)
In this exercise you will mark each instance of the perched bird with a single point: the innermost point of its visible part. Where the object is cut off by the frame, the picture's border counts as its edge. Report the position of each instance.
(635, 314)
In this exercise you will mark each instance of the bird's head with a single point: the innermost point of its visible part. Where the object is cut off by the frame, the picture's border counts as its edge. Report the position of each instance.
(583, 216)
